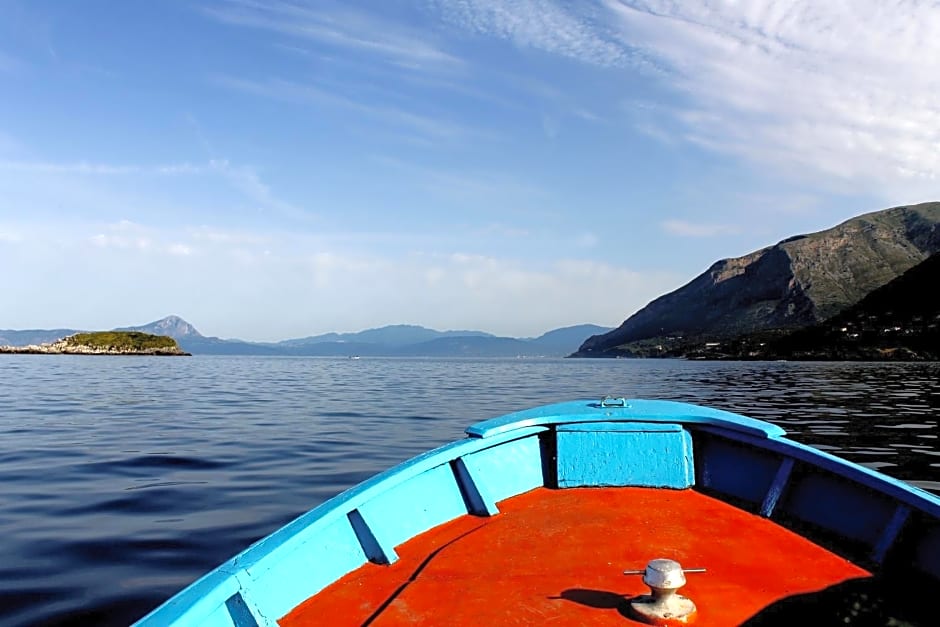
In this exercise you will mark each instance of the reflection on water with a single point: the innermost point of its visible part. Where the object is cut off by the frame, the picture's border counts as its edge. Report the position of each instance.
(125, 479)
(883, 416)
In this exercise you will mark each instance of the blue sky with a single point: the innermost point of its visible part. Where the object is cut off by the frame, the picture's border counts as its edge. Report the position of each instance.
(270, 169)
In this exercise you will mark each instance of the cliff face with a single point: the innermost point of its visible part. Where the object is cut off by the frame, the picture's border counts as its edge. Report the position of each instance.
(899, 319)
(795, 283)
(840, 266)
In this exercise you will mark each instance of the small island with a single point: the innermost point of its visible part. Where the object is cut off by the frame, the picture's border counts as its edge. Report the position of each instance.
(103, 343)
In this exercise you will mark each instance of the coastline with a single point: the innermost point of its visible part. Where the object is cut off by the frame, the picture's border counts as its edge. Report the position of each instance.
(46, 349)
(103, 343)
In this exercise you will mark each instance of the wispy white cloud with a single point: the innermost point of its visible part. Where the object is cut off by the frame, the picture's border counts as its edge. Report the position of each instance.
(657, 132)
(354, 53)
(587, 115)
(417, 57)
(538, 24)
(832, 90)
(846, 94)
(135, 238)
(302, 93)
(684, 228)
(341, 26)
(130, 236)
(126, 235)
(245, 179)
(216, 235)
(248, 181)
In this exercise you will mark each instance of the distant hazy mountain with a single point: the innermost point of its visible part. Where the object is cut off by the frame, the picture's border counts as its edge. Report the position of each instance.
(405, 340)
(192, 341)
(391, 336)
(471, 346)
(566, 340)
(9, 337)
(392, 340)
(411, 340)
(332, 349)
(217, 346)
(174, 326)
(795, 283)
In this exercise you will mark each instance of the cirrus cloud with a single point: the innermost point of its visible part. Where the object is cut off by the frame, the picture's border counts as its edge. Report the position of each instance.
(843, 93)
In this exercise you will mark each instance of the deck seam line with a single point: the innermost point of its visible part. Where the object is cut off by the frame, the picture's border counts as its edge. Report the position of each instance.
(414, 576)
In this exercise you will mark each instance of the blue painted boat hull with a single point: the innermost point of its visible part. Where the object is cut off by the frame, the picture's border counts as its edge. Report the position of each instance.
(874, 519)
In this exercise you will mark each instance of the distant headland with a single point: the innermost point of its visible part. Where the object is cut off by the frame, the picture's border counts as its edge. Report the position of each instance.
(862, 290)
(103, 343)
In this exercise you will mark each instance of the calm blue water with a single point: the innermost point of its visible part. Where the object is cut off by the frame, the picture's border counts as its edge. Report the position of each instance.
(124, 479)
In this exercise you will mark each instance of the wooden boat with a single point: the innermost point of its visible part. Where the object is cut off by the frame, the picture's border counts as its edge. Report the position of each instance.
(536, 515)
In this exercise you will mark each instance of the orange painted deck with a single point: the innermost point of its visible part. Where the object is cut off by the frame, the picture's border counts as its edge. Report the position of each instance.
(556, 557)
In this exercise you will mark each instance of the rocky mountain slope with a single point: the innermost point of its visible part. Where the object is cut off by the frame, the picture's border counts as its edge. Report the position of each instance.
(795, 283)
(900, 320)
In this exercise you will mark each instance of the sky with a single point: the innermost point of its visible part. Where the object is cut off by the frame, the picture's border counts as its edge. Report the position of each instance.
(272, 169)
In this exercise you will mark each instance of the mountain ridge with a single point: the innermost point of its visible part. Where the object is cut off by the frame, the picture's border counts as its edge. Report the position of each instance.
(389, 340)
(392, 335)
(172, 325)
(899, 321)
(797, 282)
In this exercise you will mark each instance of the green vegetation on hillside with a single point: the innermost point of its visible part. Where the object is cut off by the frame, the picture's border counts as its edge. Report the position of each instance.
(122, 340)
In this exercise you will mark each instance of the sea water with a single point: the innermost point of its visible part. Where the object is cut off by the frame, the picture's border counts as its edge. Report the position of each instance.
(123, 479)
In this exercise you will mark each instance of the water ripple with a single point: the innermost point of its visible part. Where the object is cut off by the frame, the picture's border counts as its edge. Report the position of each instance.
(126, 479)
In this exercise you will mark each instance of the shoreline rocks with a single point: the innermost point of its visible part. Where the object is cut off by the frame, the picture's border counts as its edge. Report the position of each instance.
(65, 347)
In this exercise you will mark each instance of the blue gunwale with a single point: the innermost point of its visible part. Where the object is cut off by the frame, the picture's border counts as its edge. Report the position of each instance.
(904, 492)
(635, 410)
(235, 586)
(213, 589)
(352, 498)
